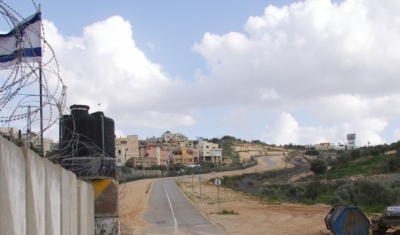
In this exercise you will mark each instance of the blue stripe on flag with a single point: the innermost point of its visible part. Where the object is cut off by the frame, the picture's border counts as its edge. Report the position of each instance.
(26, 52)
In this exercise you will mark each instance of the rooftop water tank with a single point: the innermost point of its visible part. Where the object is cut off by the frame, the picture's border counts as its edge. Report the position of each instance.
(87, 143)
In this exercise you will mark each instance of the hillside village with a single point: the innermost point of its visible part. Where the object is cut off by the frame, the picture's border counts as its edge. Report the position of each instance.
(169, 149)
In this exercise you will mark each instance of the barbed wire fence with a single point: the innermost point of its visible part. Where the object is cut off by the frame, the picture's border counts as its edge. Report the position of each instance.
(22, 82)
(21, 104)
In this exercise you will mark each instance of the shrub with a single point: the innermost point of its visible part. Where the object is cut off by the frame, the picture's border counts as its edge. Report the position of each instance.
(312, 152)
(296, 191)
(226, 212)
(336, 200)
(376, 193)
(270, 192)
(346, 193)
(313, 190)
(394, 163)
(318, 166)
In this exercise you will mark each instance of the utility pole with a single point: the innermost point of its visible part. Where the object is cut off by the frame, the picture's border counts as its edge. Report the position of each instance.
(28, 126)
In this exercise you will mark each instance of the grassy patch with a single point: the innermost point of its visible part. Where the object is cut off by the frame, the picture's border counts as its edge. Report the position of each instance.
(226, 212)
(148, 188)
(368, 165)
(325, 198)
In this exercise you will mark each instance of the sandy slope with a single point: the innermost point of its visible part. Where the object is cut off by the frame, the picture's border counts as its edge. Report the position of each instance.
(253, 216)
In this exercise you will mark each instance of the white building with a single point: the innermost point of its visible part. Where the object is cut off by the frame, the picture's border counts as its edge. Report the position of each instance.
(120, 155)
(130, 145)
(209, 152)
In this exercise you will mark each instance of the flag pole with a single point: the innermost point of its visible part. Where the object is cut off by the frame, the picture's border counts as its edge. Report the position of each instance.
(40, 94)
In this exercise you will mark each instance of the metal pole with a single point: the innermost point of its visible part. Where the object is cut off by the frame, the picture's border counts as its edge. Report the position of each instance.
(200, 187)
(219, 210)
(41, 99)
(41, 110)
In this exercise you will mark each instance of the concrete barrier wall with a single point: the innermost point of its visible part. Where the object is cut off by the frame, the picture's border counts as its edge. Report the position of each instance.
(85, 209)
(69, 203)
(35, 193)
(40, 198)
(12, 189)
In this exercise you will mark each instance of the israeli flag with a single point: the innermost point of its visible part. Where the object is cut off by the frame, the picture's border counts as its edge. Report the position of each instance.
(23, 44)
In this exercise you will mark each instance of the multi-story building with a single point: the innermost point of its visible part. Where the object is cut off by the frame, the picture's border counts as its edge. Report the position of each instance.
(183, 156)
(155, 151)
(131, 145)
(167, 136)
(178, 138)
(151, 154)
(209, 152)
(153, 140)
(120, 155)
(323, 146)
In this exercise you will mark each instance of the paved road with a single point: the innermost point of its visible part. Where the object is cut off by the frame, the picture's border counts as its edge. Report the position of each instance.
(170, 212)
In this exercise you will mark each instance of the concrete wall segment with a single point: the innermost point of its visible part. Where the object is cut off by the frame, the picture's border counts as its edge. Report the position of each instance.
(66, 200)
(38, 197)
(53, 198)
(85, 209)
(35, 193)
(90, 206)
(74, 203)
(12, 188)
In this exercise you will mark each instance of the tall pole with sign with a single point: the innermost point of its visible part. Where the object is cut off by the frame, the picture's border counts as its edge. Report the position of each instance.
(192, 183)
(200, 178)
(218, 183)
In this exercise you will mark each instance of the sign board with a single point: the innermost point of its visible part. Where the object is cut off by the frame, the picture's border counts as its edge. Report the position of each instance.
(217, 182)
(351, 136)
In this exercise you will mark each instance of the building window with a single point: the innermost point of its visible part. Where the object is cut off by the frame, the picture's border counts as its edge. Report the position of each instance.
(124, 142)
(119, 151)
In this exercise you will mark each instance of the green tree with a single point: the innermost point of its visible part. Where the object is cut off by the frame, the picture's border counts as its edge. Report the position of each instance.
(318, 166)
(228, 150)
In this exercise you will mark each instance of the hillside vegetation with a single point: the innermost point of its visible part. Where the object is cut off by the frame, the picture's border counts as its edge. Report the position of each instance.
(367, 177)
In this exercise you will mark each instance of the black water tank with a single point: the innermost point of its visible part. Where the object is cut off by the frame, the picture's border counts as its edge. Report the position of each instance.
(87, 143)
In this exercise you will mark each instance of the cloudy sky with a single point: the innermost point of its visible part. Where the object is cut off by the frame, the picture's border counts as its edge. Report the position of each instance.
(300, 72)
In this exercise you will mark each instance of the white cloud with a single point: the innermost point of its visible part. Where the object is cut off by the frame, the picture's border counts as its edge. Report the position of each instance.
(105, 67)
(335, 61)
(396, 135)
(286, 129)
